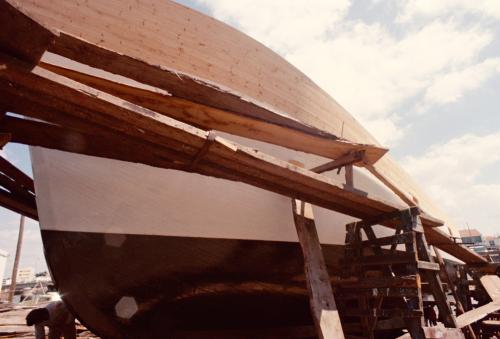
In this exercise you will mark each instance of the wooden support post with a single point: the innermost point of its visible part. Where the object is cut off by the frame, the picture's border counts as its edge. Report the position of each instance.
(323, 307)
(12, 289)
(349, 177)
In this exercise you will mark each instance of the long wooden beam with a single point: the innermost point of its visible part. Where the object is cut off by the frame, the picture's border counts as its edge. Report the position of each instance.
(350, 158)
(209, 118)
(16, 175)
(19, 204)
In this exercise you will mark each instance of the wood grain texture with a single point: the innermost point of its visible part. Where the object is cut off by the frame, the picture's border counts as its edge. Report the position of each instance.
(491, 284)
(323, 308)
(282, 132)
(477, 314)
(175, 38)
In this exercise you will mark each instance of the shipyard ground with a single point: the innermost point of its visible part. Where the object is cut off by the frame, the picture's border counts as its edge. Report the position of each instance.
(13, 324)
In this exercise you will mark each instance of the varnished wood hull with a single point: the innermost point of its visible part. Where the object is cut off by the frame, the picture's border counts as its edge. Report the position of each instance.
(179, 283)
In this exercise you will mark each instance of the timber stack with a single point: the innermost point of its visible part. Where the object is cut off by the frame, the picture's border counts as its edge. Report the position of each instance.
(204, 186)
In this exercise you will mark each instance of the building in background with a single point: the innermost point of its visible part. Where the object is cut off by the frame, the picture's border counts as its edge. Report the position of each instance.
(3, 262)
(25, 275)
(471, 236)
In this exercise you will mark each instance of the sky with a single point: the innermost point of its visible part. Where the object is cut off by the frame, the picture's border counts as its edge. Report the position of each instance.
(423, 76)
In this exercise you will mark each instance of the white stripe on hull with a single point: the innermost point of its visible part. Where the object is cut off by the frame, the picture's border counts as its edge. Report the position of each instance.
(88, 194)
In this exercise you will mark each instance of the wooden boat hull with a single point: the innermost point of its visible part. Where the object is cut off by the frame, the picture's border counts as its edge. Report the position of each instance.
(194, 252)
(179, 283)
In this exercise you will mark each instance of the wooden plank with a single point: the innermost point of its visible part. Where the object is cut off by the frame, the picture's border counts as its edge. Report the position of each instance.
(14, 188)
(386, 259)
(392, 186)
(491, 284)
(389, 313)
(429, 266)
(21, 36)
(390, 240)
(323, 307)
(438, 238)
(206, 117)
(16, 175)
(382, 282)
(18, 205)
(375, 293)
(477, 314)
(351, 158)
(38, 133)
(386, 217)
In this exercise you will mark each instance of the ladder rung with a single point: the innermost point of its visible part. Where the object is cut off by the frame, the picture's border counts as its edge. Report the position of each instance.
(403, 238)
(374, 293)
(389, 313)
(370, 283)
(425, 265)
(386, 259)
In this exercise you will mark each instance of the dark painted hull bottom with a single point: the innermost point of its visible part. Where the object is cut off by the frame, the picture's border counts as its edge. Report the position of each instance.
(176, 283)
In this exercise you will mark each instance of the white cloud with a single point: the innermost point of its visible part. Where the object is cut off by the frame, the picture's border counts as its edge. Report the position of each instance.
(452, 172)
(371, 72)
(366, 67)
(412, 9)
(450, 87)
(280, 24)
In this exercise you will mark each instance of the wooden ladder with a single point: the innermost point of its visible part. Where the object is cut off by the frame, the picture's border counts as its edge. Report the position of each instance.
(385, 284)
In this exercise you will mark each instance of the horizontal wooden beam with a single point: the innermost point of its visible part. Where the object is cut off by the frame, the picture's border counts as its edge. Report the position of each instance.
(392, 216)
(18, 204)
(280, 133)
(21, 36)
(16, 175)
(351, 158)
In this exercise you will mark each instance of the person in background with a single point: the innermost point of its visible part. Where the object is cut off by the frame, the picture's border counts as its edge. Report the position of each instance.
(56, 317)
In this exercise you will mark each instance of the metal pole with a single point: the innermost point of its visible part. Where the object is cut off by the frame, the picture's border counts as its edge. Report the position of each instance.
(16, 260)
